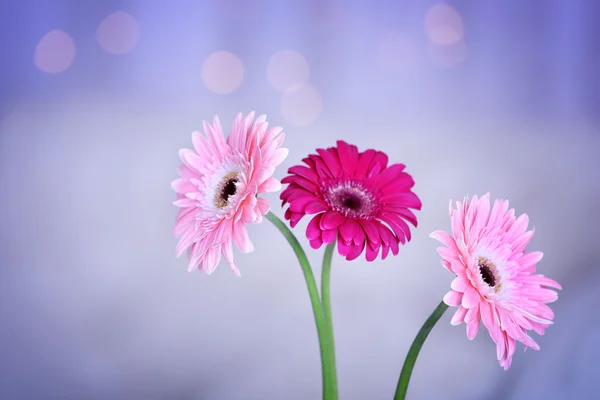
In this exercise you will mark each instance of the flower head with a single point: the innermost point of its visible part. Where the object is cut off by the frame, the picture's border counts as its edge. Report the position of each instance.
(218, 187)
(359, 200)
(496, 279)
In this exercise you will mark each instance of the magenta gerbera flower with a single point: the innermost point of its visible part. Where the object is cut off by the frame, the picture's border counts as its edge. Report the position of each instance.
(218, 188)
(496, 279)
(358, 199)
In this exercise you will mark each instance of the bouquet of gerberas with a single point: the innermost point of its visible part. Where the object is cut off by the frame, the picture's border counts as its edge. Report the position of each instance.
(360, 204)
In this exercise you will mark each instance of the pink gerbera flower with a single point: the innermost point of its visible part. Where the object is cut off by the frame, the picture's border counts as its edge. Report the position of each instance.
(496, 281)
(358, 199)
(218, 188)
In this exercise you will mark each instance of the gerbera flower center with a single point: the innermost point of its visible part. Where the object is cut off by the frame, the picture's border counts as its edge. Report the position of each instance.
(351, 199)
(226, 188)
(488, 272)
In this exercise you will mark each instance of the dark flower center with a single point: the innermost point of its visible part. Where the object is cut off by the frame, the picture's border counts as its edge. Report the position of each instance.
(352, 202)
(229, 189)
(225, 189)
(350, 199)
(488, 271)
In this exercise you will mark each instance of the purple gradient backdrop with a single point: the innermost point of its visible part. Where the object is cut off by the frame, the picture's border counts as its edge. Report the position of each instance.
(93, 303)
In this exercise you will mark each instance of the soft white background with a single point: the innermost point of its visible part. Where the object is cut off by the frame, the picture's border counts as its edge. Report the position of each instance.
(93, 303)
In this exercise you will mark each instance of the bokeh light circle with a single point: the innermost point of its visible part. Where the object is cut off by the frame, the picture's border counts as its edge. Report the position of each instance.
(301, 105)
(54, 52)
(287, 68)
(222, 72)
(443, 25)
(118, 33)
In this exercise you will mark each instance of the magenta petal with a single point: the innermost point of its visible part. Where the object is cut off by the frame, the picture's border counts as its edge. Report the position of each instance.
(385, 250)
(348, 229)
(372, 252)
(389, 175)
(371, 231)
(316, 243)
(329, 236)
(355, 251)
(313, 230)
(331, 219)
(315, 207)
(343, 248)
(348, 156)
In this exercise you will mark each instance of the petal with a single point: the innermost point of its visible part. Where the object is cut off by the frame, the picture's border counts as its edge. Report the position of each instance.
(343, 248)
(470, 298)
(348, 155)
(453, 298)
(372, 251)
(332, 219)
(349, 229)
(329, 235)
(241, 239)
(356, 251)
(371, 231)
(315, 207)
(313, 230)
(316, 243)
(472, 329)
(460, 283)
(331, 160)
(444, 238)
(269, 185)
(459, 316)
(263, 205)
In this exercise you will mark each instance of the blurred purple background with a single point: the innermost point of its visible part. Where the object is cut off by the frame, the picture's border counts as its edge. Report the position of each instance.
(96, 98)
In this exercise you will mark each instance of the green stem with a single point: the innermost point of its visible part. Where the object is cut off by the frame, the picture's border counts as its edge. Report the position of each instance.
(313, 293)
(413, 352)
(326, 299)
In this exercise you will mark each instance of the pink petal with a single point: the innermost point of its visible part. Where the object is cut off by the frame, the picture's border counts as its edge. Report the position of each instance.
(460, 283)
(459, 316)
(453, 298)
(269, 185)
(472, 329)
(263, 205)
(444, 238)
(470, 298)
(241, 239)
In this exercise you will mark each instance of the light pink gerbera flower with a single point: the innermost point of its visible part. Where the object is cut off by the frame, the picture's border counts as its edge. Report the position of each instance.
(218, 188)
(496, 281)
(354, 196)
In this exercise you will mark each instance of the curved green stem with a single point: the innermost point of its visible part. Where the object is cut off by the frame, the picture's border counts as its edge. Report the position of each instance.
(326, 300)
(315, 301)
(413, 352)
